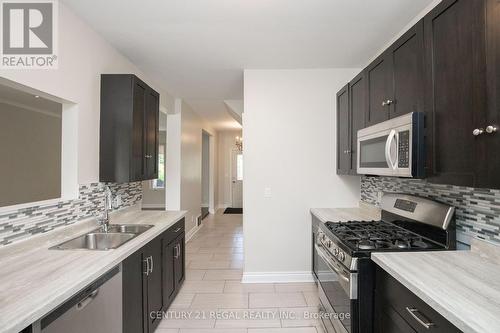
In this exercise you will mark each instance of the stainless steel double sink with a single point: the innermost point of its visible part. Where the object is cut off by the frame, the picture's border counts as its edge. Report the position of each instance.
(117, 235)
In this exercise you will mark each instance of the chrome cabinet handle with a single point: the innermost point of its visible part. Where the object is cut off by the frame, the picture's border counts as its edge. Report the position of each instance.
(388, 102)
(491, 129)
(147, 266)
(82, 304)
(152, 263)
(148, 156)
(420, 318)
(477, 131)
(177, 252)
(177, 230)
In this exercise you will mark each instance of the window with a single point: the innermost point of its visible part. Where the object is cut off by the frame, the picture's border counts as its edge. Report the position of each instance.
(239, 167)
(160, 182)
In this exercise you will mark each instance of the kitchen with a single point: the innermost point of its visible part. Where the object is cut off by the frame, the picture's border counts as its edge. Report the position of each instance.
(396, 136)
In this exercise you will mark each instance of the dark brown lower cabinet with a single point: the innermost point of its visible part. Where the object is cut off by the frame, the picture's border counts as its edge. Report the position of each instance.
(175, 261)
(398, 310)
(152, 277)
(154, 282)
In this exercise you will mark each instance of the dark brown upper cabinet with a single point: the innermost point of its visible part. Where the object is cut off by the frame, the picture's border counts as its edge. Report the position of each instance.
(357, 115)
(343, 132)
(406, 57)
(456, 98)
(377, 90)
(350, 119)
(394, 81)
(128, 130)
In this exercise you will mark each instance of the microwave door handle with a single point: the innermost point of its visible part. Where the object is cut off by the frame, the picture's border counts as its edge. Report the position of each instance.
(388, 143)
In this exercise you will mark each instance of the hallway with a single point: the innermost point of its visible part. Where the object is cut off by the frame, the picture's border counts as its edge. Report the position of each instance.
(213, 300)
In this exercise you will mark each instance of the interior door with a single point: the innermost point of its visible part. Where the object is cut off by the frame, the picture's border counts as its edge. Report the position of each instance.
(237, 179)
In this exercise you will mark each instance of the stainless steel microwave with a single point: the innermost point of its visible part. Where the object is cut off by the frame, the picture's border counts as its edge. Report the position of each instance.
(393, 148)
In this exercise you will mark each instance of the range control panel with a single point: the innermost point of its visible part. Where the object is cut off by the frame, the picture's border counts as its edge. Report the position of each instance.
(404, 149)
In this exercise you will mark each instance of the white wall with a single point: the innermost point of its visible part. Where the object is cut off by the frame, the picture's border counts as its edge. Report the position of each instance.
(83, 56)
(289, 136)
(226, 143)
(192, 127)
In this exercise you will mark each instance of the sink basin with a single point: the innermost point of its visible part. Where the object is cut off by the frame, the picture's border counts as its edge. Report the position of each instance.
(129, 228)
(96, 241)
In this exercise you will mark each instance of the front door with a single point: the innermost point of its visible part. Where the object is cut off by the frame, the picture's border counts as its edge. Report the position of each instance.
(237, 179)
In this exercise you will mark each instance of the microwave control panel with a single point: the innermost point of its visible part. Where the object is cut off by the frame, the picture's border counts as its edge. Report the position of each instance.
(404, 149)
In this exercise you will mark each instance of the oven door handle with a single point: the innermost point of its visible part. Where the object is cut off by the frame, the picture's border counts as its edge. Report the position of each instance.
(330, 264)
(388, 144)
(348, 284)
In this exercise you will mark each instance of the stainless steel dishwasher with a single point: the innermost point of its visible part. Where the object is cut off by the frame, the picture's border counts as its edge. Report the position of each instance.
(95, 309)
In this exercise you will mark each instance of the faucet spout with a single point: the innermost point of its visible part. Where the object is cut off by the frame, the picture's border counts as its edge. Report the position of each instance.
(108, 205)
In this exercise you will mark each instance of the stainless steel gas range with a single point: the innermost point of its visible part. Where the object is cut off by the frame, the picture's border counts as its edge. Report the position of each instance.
(342, 265)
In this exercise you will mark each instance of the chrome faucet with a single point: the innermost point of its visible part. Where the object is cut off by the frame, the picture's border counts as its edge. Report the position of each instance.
(108, 205)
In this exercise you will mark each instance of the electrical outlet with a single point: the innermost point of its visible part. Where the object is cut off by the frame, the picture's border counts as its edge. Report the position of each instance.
(268, 192)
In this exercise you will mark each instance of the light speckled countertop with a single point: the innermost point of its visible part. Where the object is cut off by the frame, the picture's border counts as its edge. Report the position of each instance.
(364, 212)
(35, 280)
(463, 286)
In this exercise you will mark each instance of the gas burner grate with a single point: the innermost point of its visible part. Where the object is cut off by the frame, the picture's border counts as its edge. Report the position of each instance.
(378, 235)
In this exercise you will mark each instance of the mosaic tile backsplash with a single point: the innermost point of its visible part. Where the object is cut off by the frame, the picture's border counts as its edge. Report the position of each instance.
(23, 223)
(477, 210)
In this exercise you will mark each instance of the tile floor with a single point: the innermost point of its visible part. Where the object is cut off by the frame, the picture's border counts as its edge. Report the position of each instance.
(213, 299)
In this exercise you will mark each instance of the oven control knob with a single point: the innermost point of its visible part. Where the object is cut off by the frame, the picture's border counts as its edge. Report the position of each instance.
(336, 252)
(329, 244)
(341, 256)
(323, 236)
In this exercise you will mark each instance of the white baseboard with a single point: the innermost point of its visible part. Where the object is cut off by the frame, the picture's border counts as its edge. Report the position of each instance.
(192, 232)
(277, 277)
(221, 206)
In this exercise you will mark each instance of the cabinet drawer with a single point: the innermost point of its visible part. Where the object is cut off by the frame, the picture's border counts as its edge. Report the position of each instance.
(410, 307)
(174, 231)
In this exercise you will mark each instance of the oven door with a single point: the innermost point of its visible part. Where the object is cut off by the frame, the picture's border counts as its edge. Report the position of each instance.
(338, 292)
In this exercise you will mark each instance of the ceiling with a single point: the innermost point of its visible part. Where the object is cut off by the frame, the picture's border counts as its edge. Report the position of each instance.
(199, 48)
(28, 101)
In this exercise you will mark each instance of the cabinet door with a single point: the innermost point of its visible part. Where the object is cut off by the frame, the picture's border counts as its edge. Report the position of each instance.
(406, 72)
(455, 89)
(377, 90)
(151, 134)
(179, 262)
(489, 143)
(343, 130)
(133, 274)
(138, 118)
(357, 114)
(155, 282)
(169, 252)
(387, 320)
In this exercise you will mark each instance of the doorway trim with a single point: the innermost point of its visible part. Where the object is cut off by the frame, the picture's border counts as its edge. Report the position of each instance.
(211, 171)
(231, 175)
